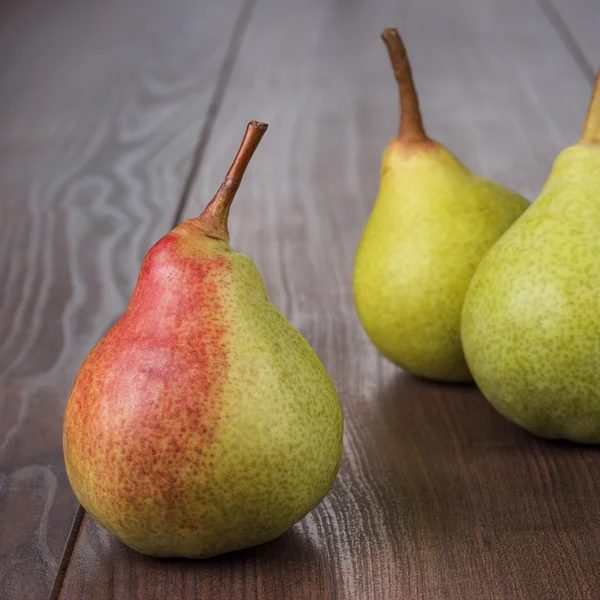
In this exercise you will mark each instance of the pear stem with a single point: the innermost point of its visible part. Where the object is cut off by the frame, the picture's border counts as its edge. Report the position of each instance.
(213, 221)
(411, 123)
(591, 128)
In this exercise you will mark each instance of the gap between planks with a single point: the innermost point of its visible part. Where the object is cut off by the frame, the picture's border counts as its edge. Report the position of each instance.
(568, 39)
(204, 137)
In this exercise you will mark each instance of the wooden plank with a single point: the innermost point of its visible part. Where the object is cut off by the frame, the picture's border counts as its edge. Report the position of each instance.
(578, 22)
(438, 496)
(101, 104)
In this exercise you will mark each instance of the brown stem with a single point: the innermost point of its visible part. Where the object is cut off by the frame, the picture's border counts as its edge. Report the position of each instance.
(591, 127)
(213, 221)
(411, 124)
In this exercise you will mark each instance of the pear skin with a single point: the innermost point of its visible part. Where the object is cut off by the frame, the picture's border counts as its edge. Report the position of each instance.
(432, 223)
(531, 319)
(202, 422)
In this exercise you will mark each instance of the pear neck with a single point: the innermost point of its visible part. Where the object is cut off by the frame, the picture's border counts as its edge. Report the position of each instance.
(406, 149)
(213, 221)
(591, 128)
(411, 128)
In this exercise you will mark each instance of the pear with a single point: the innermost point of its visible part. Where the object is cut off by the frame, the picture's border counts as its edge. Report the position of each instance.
(531, 318)
(432, 223)
(202, 422)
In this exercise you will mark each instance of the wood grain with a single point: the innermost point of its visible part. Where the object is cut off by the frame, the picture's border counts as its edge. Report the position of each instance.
(438, 496)
(101, 104)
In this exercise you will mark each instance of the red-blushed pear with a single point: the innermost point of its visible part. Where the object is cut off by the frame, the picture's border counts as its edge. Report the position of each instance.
(433, 221)
(202, 422)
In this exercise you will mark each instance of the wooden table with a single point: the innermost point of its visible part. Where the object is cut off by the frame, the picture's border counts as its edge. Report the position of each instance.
(111, 109)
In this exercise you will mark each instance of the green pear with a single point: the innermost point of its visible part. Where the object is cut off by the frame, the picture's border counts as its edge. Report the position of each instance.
(531, 319)
(432, 223)
(202, 422)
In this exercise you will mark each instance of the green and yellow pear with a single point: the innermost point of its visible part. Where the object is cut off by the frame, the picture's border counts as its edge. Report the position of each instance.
(432, 223)
(202, 422)
(531, 319)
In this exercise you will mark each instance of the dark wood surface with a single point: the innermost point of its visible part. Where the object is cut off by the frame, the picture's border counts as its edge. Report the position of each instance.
(108, 108)
(577, 23)
(101, 107)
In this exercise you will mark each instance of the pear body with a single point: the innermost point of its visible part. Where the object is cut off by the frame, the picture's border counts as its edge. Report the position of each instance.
(432, 223)
(202, 422)
(531, 319)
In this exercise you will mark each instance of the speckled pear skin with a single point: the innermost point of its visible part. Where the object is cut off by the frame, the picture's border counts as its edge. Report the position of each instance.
(531, 319)
(432, 223)
(202, 422)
